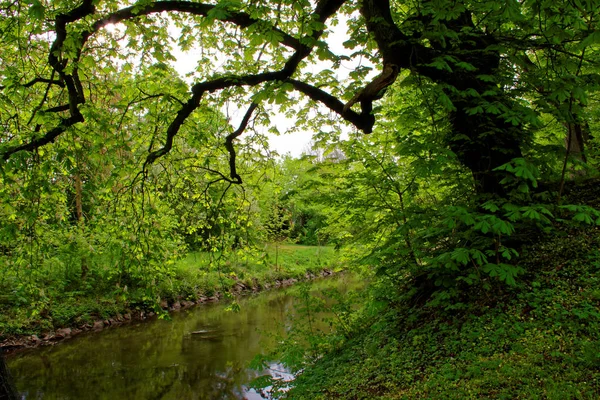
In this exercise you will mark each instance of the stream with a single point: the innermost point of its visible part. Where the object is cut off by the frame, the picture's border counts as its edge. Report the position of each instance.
(201, 353)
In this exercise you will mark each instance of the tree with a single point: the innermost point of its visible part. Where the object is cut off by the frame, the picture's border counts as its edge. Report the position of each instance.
(474, 53)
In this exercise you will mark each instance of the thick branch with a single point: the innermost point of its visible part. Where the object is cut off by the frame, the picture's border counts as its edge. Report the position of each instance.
(44, 80)
(198, 91)
(62, 107)
(323, 10)
(49, 137)
(236, 178)
(75, 98)
(174, 127)
(60, 27)
(389, 38)
(362, 121)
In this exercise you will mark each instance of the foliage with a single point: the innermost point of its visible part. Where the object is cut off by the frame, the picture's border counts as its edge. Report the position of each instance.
(321, 320)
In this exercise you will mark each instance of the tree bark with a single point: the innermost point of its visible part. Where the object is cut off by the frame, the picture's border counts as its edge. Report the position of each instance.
(483, 143)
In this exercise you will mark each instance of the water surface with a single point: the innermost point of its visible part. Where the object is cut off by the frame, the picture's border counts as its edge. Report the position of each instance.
(162, 359)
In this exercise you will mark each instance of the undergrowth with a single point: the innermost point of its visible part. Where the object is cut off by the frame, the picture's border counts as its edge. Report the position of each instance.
(538, 338)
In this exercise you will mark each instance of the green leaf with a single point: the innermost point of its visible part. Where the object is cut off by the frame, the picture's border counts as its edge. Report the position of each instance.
(478, 256)
(592, 38)
(486, 78)
(475, 110)
(531, 213)
(483, 226)
(37, 10)
(446, 102)
(461, 255)
(440, 64)
(466, 66)
(490, 206)
(583, 217)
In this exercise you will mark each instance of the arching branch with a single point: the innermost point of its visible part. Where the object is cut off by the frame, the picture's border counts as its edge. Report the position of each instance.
(198, 91)
(322, 11)
(240, 19)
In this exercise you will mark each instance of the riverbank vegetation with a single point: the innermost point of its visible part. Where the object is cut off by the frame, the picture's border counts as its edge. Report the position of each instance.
(196, 278)
(461, 178)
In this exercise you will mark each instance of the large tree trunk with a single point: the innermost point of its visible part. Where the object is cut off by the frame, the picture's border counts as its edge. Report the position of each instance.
(483, 142)
(481, 136)
(7, 389)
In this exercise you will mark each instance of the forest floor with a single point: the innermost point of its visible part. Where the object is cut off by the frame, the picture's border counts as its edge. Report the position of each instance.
(198, 278)
(539, 339)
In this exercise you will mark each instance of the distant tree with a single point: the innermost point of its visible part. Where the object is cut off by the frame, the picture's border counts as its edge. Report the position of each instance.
(277, 227)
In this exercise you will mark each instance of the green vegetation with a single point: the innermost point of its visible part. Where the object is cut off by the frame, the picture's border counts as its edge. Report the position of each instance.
(537, 339)
(480, 170)
(249, 268)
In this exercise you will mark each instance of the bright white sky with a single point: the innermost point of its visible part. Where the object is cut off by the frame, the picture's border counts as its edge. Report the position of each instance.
(296, 143)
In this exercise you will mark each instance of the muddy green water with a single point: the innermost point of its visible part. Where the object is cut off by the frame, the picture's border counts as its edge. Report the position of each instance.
(162, 359)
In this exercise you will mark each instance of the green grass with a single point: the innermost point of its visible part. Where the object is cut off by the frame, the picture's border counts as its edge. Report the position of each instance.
(200, 274)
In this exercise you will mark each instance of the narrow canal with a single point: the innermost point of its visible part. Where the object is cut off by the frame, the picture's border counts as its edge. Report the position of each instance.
(201, 353)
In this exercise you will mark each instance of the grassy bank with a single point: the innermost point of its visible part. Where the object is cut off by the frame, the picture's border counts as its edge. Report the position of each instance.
(205, 274)
(537, 340)
(59, 302)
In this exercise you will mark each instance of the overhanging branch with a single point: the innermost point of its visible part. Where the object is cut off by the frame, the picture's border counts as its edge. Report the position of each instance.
(322, 11)
(240, 19)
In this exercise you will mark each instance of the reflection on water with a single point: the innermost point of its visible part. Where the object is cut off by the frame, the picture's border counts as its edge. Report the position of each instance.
(201, 353)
